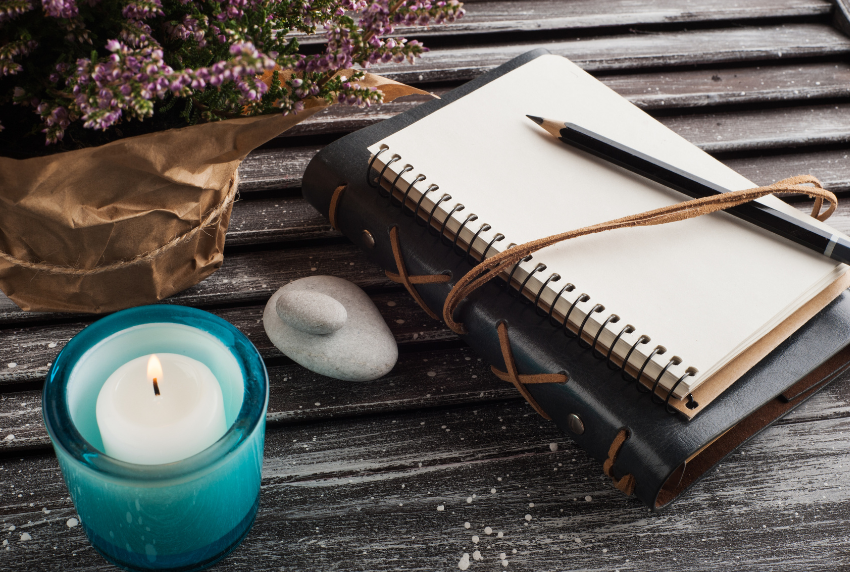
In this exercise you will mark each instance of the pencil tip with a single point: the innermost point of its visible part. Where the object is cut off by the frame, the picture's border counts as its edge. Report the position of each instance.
(537, 120)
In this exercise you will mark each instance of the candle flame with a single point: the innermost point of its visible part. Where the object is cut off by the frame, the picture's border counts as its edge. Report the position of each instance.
(154, 372)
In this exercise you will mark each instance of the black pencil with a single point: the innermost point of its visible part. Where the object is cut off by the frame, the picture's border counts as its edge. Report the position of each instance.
(822, 241)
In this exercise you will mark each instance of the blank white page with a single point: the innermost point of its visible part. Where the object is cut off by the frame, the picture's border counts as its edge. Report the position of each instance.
(704, 289)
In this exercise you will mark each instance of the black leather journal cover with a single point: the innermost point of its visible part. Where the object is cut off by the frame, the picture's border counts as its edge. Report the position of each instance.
(661, 449)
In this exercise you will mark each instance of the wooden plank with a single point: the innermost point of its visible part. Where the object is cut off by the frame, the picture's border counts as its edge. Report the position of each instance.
(419, 380)
(784, 128)
(247, 277)
(293, 219)
(539, 15)
(831, 166)
(27, 352)
(635, 51)
(266, 169)
(364, 493)
(733, 86)
(650, 91)
(727, 132)
(284, 219)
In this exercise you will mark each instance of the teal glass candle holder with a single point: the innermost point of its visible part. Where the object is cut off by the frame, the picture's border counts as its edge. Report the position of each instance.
(184, 515)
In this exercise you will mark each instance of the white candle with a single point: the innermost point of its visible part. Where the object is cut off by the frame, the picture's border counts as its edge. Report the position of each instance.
(160, 408)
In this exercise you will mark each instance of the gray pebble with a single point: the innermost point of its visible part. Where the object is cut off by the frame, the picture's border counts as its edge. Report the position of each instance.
(310, 311)
(331, 327)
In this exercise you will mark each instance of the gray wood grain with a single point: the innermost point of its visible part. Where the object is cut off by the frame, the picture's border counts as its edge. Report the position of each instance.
(650, 91)
(831, 166)
(635, 51)
(421, 379)
(26, 352)
(362, 494)
(783, 128)
(539, 15)
(718, 132)
(289, 219)
(733, 86)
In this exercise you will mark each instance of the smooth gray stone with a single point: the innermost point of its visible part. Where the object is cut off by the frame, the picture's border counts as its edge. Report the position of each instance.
(363, 348)
(310, 311)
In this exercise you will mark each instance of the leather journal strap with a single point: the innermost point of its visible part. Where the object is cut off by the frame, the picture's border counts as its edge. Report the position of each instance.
(519, 381)
(491, 267)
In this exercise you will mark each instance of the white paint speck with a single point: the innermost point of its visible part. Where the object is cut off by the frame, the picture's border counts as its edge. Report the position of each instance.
(475, 539)
(12, 526)
(11, 364)
(432, 374)
(492, 491)
(501, 534)
(51, 345)
(588, 498)
(604, 550)
(477, 555)
(488, 531)
(499, 479)
(317, 404)
(440, 508)
(531, 505)
(553, 447)
(464, 562)
(469, 500)
(513, 551)
(26, 536)
(45, 510)
(502, 556)
(528, 517)
(9, 438)
(504, 563)
(466, 525)
(72, 522)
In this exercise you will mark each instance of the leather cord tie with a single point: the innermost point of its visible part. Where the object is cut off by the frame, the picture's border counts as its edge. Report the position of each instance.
(402, 277)
(626, 483)
(335, 198)
(513, 376)
(488, 269)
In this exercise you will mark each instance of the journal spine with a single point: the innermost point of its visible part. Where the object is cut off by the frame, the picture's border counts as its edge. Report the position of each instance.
(426, 218)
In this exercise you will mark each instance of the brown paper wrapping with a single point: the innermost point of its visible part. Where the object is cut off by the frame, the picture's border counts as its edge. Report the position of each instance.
(133, 221)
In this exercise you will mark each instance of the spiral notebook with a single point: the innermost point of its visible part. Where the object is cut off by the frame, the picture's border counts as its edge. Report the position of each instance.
(708, 296)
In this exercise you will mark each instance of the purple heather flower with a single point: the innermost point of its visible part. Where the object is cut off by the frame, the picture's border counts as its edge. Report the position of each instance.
(60, 8)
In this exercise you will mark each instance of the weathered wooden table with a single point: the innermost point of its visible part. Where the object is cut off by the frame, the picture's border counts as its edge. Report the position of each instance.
(355, 473)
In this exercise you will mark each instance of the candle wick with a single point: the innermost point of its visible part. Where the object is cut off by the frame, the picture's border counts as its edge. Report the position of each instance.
(155, 387)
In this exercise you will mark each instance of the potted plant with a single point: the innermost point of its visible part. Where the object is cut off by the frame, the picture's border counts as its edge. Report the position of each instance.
(124, 123)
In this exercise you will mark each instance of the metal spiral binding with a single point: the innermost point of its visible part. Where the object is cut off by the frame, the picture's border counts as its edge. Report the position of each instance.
(457, 208)
(514, 269)
(554, 277)
(596, 309)
(640, 387)
(612, 319)
(407, 169)
(407, 192)
(539, 268)
(484, 228)
(581, 298)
